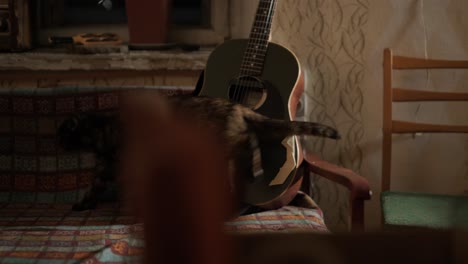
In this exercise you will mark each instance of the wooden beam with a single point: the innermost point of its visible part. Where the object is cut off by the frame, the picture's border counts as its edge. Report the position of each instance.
(18, 75)
(409, 95)
(412, 127)
(387, 121)
(401, 62)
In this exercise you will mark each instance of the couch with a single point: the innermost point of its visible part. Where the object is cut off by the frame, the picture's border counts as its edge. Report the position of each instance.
(39, 182)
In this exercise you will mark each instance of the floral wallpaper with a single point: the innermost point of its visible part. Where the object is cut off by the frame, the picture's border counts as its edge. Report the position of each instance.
(329, 40)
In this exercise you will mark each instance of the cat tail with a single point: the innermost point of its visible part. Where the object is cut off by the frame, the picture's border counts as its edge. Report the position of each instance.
(279, 129)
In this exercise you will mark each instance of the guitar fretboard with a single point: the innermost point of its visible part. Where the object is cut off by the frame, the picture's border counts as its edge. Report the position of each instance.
(254, 56)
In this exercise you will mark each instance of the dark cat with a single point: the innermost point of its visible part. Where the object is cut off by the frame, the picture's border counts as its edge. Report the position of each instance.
(97, 133)
(236, 127)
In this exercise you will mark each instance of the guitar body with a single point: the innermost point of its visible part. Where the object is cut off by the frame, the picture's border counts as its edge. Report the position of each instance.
(283, 84)
(281, 71)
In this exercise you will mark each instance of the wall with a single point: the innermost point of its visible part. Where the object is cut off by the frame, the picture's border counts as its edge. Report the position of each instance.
(328, 38)
(340, 45)
(424, 28)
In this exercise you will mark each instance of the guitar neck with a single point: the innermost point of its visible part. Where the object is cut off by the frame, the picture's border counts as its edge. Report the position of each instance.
(254, 56)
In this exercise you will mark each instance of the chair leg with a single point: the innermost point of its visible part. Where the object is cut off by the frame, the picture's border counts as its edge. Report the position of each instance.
(357, 215)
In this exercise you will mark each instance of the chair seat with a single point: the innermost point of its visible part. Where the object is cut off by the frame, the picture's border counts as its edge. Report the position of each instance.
(302, 214)
(286, 219)
(424, 210)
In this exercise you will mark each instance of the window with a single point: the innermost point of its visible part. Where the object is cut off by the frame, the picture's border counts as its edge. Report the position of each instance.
(204, 22)
(83, 12)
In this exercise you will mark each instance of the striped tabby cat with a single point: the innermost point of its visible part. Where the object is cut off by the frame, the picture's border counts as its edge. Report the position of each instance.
(237, 128)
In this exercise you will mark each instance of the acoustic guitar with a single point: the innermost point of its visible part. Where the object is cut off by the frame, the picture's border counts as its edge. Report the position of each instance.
(267, 78)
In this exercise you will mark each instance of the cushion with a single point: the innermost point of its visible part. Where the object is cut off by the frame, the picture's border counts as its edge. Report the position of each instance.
(424, 210)
(285, 219)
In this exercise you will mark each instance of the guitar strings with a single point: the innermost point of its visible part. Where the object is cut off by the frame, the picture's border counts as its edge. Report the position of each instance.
(266, 30)
(245, 72)
(240, 84)
(257, 43)
(245, 83)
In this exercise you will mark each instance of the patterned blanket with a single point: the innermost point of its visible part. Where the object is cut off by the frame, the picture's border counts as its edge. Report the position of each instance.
(71, 244)
(53, 234)
(29, 215)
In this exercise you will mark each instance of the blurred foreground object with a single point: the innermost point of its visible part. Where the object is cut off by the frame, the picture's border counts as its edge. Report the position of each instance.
(172, 167)
(421, 246)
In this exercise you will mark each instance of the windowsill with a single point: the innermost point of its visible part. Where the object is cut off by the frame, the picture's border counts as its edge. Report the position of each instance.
(60, 60)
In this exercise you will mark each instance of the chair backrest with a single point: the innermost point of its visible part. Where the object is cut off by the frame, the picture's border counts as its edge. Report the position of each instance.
(396, 94)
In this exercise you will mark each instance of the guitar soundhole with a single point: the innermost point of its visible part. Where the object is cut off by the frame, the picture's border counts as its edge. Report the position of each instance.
(248, 90)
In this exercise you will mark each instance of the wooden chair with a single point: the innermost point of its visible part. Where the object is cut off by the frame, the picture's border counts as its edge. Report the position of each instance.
(357, 185)
(424, 210)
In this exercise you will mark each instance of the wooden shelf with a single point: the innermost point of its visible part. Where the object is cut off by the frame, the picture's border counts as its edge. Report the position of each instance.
(130, 60)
